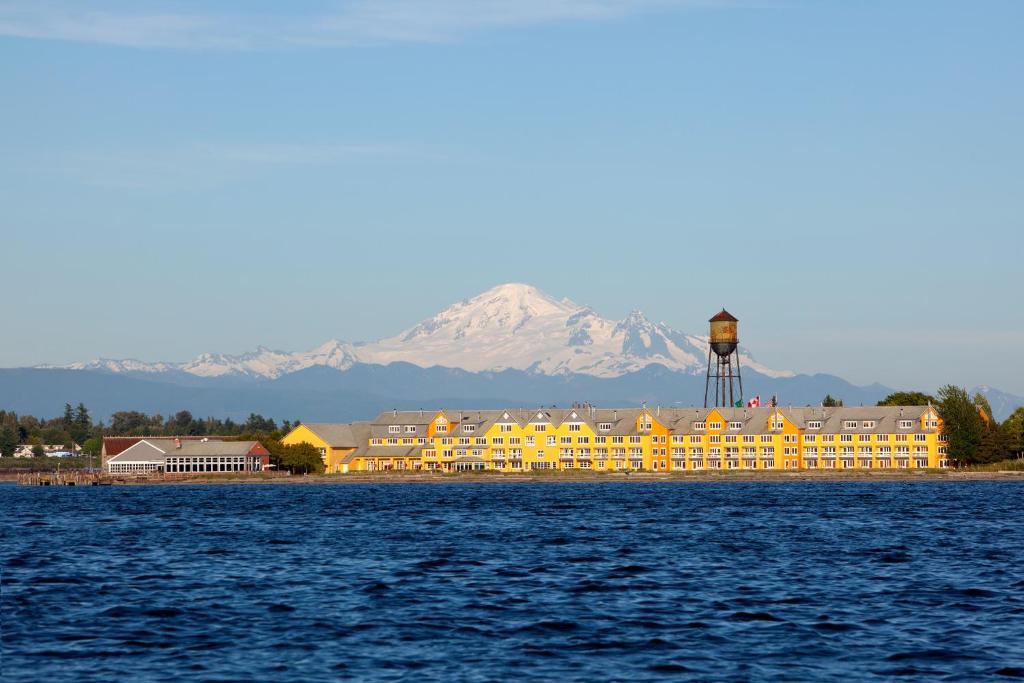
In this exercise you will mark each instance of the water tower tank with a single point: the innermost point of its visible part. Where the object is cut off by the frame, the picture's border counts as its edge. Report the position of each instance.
(724, 336)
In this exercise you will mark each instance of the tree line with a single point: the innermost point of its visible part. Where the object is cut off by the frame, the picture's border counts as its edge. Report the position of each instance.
(76, 427)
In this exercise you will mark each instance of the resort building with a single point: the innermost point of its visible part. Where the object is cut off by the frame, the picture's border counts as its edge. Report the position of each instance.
(634, 439)
(174, 456)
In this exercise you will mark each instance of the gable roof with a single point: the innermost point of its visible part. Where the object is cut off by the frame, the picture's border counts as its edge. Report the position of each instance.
(335, 434)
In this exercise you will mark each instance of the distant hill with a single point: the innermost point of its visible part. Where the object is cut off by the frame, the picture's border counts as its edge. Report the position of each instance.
(510, 346)
(361, 391)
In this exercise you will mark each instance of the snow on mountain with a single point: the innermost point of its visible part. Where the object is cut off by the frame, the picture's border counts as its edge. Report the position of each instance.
(510, 326)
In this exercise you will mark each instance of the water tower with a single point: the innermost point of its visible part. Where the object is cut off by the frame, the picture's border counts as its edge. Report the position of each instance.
(724, 370)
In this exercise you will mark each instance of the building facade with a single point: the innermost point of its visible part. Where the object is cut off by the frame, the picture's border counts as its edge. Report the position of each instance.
(640, 439)
(175, 456)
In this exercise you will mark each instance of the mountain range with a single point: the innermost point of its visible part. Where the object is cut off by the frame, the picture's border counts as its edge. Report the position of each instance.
(512, 345)
(512, 326)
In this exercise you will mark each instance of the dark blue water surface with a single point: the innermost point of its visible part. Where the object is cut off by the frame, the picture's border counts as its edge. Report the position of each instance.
(498, 582)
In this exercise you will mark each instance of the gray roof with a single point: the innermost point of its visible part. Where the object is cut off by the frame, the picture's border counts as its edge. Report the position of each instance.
(337, 434)
(156, 450)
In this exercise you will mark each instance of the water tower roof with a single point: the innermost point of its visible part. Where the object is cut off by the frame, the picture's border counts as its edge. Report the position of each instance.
(723, 316)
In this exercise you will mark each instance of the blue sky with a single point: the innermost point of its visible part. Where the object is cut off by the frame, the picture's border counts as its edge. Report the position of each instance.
(846, 177)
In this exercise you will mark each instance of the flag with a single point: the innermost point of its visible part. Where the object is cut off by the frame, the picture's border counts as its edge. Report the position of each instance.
(739, 403)
(754, 402)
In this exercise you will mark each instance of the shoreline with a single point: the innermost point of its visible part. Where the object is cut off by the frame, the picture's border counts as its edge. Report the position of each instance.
(603, 478)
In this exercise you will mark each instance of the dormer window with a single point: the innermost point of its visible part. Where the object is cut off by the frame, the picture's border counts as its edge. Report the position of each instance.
(394, 429)
(700, 426)
(867, 424)
(906, 424)
(813, 424)
(604, 426)
(468, 429)
(849, 424)
(735, 425)
(410, 429)
(715, 425)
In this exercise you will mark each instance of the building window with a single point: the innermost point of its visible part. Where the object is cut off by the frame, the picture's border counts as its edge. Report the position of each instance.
(604, 426)
(394, 429)
(574, 427)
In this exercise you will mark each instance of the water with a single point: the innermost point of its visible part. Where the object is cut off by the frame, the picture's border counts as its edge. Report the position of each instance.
(583, 582)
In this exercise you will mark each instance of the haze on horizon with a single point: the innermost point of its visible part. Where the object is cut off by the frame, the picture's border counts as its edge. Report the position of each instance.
(184, 177)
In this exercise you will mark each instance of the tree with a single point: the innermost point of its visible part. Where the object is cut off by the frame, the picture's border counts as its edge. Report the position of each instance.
(1014, 426)
(8, 440)
(81, 424)
(258, 423)
(907, 398)
(831, 402)
(961, 423)
(38, 451)
(92, 446)
(981, 402)
(301, 458)
(995, 444)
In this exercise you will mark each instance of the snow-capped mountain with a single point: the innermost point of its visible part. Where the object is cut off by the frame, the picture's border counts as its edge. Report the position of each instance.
(512, 326)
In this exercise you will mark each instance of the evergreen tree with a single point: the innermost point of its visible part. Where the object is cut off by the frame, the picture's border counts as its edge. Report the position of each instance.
(907, 398)
(961, 423)
(831, 402)
(995, 444)
(1014, 427)
(81, 424)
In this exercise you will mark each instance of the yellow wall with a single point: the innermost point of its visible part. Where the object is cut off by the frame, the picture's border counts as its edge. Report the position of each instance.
(332, 457)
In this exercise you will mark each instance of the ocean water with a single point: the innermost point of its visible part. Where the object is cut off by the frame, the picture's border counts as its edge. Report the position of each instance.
(523, 582)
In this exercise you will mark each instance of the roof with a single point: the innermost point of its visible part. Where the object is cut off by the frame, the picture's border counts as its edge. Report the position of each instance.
(336, 434)
(112, 445)
(723, 316)
(156, 450)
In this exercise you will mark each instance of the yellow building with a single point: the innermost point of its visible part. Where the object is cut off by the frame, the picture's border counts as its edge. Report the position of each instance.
(337, 442)
(634, 439)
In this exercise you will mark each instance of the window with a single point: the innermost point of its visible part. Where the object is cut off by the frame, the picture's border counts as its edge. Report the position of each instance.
(735, 425)
(906, 424)
(617, 439)
(849, 424)
(583, 439)
(920, 437)
(531, 441)
(565, 440)
(394, 429)
(574, 427)
(604, 426)
(881, 437)
(505, 428)
(715, 425)
(778, 424)
(846, 438)
(867, 424)
(700, 426)
(766, 438)
(810, 438)
(540, 428)
(551, 440)
(498, 441)
(814, 424)
(645, 426)
(634, 439)
(468, 429)
(748, 438)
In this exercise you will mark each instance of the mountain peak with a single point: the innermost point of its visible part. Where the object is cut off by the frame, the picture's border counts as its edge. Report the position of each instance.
(510, 326)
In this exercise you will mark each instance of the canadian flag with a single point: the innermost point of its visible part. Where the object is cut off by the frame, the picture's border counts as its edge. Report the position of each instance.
(754, 402)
